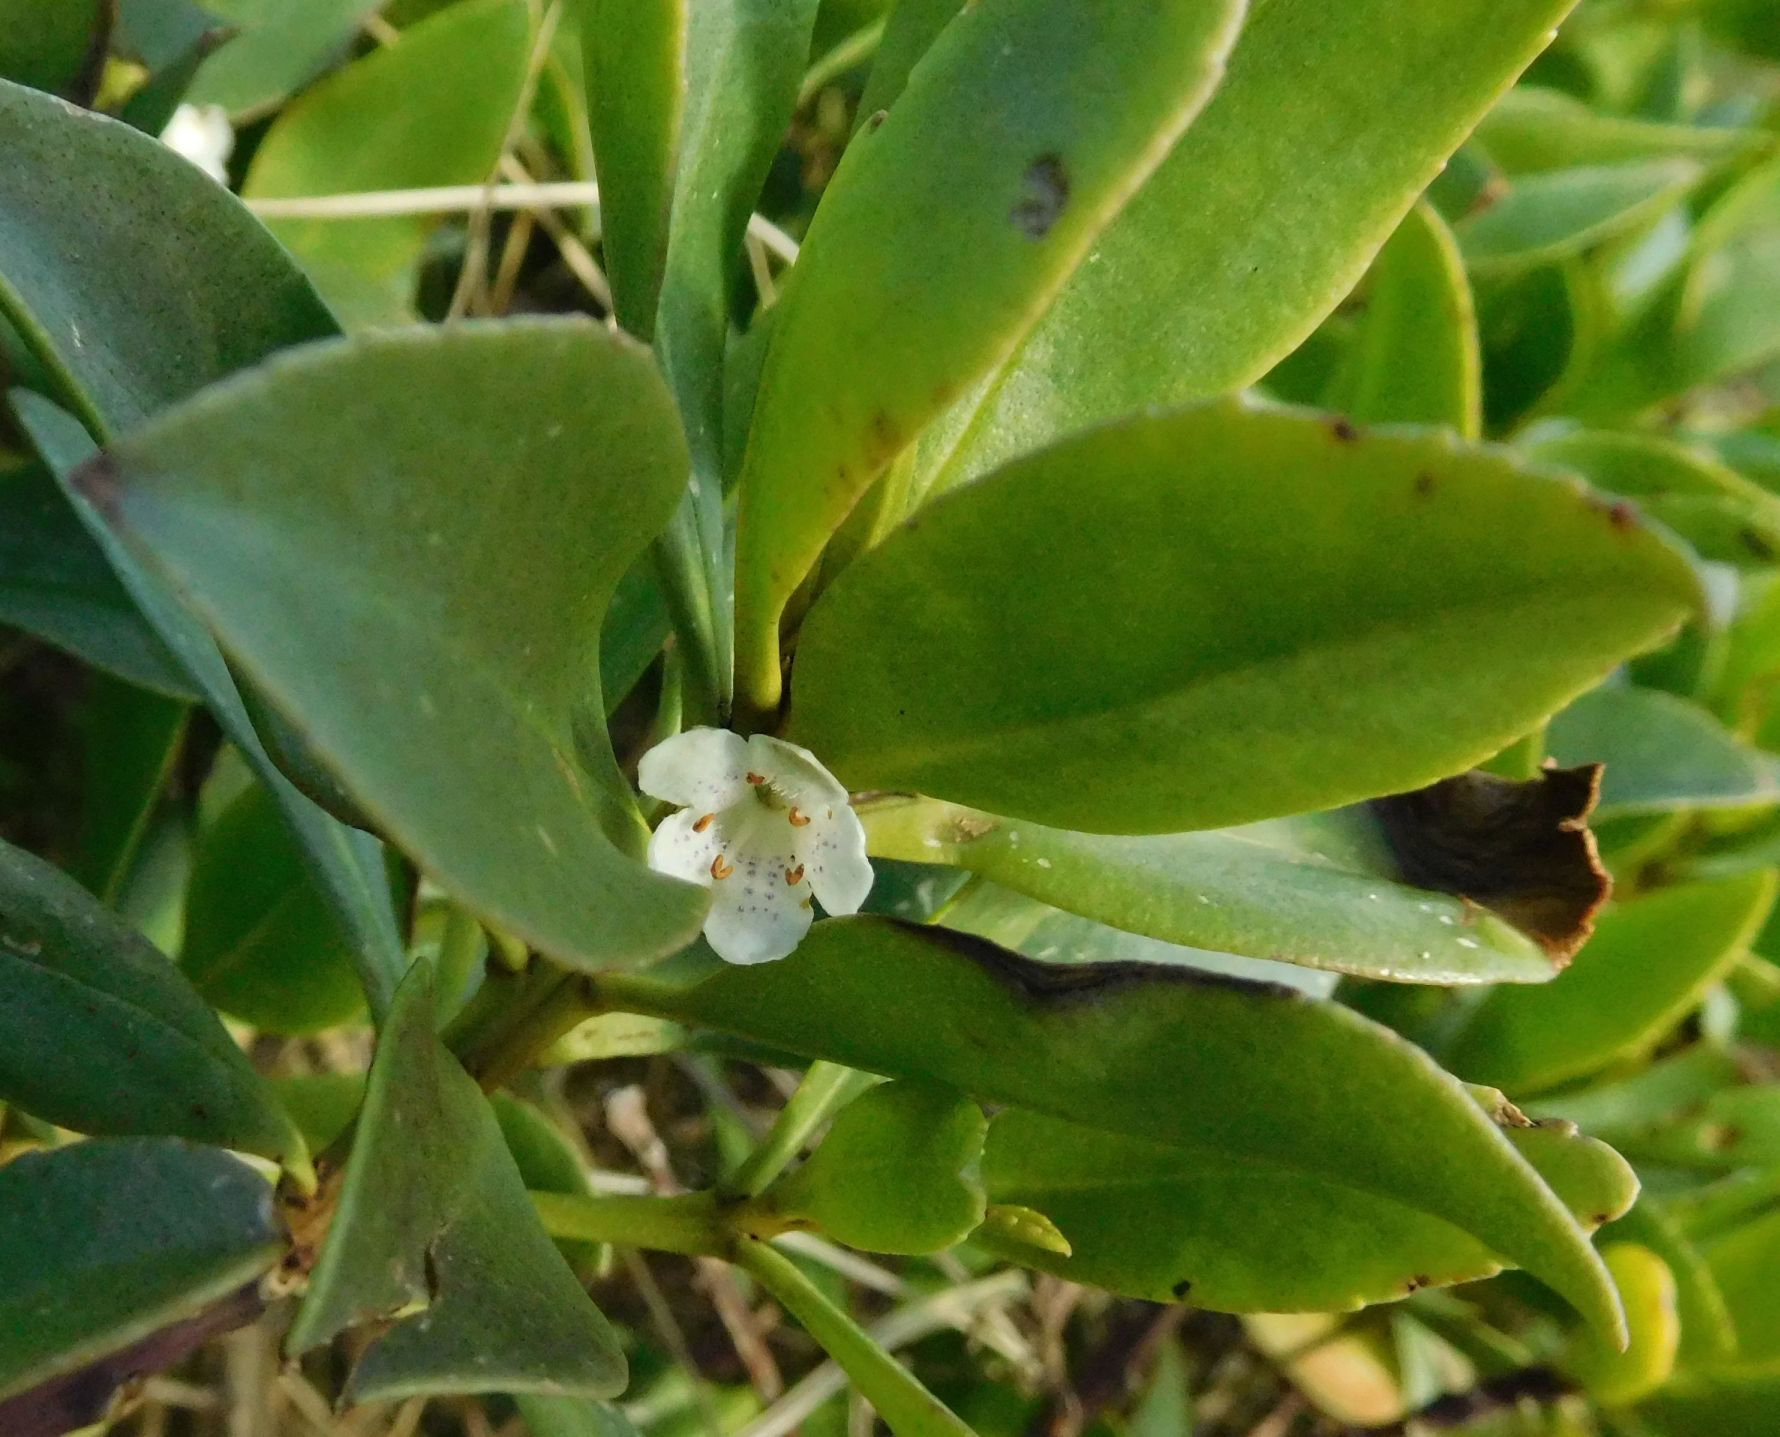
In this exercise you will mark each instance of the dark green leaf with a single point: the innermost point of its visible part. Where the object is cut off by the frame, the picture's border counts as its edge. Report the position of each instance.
(55, 45)
(277, 48)
(1182, 643)
(1164, 1055)
(434, 1215)
(1548, 216)
(417, 576)
(101, 1034)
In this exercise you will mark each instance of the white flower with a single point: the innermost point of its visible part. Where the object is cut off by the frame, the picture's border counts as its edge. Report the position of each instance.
(765, 827)
(202, 135)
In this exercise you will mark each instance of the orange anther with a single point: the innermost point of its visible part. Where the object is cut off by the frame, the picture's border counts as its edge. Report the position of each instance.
(794, 875)
(720, 869)
(704, 823)
(757, 779)
(799, 819)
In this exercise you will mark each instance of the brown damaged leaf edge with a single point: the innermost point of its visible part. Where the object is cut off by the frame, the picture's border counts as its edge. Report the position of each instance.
(1520, 848)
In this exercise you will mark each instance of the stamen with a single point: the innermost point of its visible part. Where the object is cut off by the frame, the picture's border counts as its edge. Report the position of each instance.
(794, 876)
(720, 869)
(755, 778)
(799, 819)
(704, 823)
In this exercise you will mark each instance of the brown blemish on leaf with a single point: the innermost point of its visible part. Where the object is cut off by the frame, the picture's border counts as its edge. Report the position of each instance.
(1424, 484)
(1523, 850)
(1181, 1289)
(1720, 1137)
(968, 828)
(1344, 430)
(97, 482)
(1045, 199)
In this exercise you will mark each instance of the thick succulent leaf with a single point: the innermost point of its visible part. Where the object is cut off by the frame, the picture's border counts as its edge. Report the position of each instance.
(275, 49)
(1546, 217)
(1331, 122)
(1324, 890)
(56, 584)
(101, 1033)
(1221, 615)
(104, 1244)
(433, 109)
(1413, 357)
(1662, 754)
(348, 864)
(896, 1173)
(1164, 1055)
(1615, 1376)
(128, 311)
(261, 943)
(947, 230)
(433, 1215)
(1533, 129)
(371, 584)
(1646, 968)
(1163, 1223)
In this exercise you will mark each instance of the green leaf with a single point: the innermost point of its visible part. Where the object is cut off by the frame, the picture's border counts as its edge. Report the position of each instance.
(1663, 754)
(83, 240)
(944, 235)
(1614, 1376)
(635, 58)
(895, 1174)
(1414, 357)
(1735, 1127)
(1647, 966)
(58, 46)
(55, 583)
(1722, 1402)
(1532, 130)
(101, 1034)
(275, 50)
(130, 740)
(547, 1162)
(1239, 1235)
(1323, 890)
(1330, 124)
(432, 109)
(1160, 1054)
(907, 1407)
(416, 578)
(1548, 216)
(1742, 1262)
(434, 1216)
(1302, 617)
(261, 942)
(103, 1244)
(348, 864)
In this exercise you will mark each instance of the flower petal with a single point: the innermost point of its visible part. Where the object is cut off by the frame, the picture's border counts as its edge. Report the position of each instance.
(703, 768)
(796, 772)
(756, 916)
(832, 850)
(677, 849)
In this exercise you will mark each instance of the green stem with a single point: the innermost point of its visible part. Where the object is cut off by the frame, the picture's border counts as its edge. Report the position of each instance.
(460, 950)
(904, 1404)
(1522, 758)
(826, 1087)
(497, 1033)
(688, 1223)
(680, 566)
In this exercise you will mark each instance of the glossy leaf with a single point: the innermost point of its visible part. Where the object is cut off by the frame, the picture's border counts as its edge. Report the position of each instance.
(1647, 966)
(1323, 890)
(260, 940)
(1413, 358)
(1663, 754)
(433, 109)
(101, 1034)
(1166, 1223)
(104, 1243)
(1330, 124)
(1545, 217)
(895, 1174)
(130, 314)
(275, 50)
(55, 584)
(1158, 1054)
(1182, 644)
(1648, 1287)
(945, 234)
(447, 682)
(349, 865)
(434, 1216)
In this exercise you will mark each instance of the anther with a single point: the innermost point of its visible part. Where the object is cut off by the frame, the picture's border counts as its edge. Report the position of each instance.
(794, 876)
(757, 779)
(704, 823)
(799, 819)
(720, 869)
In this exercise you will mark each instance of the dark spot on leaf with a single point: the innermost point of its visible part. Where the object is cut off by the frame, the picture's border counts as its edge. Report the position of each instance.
(1344, 430)
(1424, 484)
(1523, 850)
(1717, 1137)
(1046, 196)
(886, 436)
(1623, 516)
(1417, 1283)
(877, 118)
(97, 482)
(1601, 1219)
(1756, 543)
(1181, 1289)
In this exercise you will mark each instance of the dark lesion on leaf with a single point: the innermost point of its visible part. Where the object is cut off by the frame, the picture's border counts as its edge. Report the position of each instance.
(1045, 198)
(97, 482)
(1521, 849)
